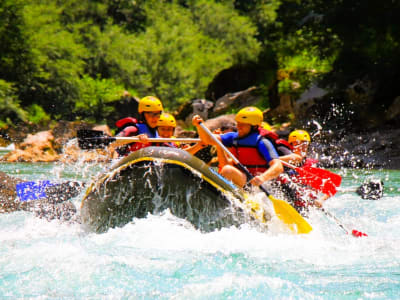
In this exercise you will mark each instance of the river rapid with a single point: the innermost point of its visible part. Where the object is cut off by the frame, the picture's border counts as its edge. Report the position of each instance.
(162, 257)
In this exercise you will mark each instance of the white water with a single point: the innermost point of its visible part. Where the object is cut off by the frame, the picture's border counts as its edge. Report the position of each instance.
(164, 257)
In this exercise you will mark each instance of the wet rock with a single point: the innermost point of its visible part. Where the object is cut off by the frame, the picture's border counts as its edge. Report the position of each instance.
(200, 107)
(8, 193)
(218, 122)
(236, 100)
(373, 149)
(37, 147)
(54, 206)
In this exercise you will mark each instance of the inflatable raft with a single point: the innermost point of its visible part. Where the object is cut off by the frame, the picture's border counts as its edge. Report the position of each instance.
(154, 179)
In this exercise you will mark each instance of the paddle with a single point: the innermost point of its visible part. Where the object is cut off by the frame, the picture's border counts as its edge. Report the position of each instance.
(93, 139)
(284, 211)
(319, 179)
(354, 232)
(56, 192)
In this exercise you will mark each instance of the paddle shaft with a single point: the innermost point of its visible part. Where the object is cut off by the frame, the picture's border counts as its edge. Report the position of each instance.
(354, 232)
(329, 214)
(155, 140)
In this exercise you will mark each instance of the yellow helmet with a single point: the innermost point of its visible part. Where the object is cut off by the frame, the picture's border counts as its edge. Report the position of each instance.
(299, 136)
(166, 120)
(250, 115)
(150, 103)
(266, 126)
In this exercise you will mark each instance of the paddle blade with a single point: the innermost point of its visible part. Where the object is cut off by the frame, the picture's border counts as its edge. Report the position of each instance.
(325, 174)
(32, 190)
(357, 233)
(323, 184)
(93, 139)
(288, 215)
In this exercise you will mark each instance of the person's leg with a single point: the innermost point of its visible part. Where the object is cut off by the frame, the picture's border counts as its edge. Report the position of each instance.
(234, 175)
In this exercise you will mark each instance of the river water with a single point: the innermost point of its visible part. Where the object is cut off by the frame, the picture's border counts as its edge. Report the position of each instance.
(162, 257)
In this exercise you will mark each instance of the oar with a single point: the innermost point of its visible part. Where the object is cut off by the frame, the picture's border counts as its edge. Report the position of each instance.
(354, 232)
(93, 139)
(285, 212)
(57, 192)
(319, 179)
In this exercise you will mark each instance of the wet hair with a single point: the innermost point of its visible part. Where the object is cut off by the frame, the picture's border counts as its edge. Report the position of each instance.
(254, 128)
(142, 118)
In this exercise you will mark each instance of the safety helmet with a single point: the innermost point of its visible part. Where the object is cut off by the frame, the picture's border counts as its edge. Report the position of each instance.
(250, 115)
(299, 136)
(266, 126)
(149, 103)
(166, 120)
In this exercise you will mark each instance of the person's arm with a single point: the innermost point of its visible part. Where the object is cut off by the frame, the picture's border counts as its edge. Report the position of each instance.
(320, 201)
(285, 154)
(195, 148)
(205, 138)
(223, 158)
(129, 132)
(292, 158)
(274, 170)
(271, 156)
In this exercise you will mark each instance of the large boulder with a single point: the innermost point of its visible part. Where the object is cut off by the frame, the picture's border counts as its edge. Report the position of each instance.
(236, 100)
(37, 147)
(199, 107)
(59, 143)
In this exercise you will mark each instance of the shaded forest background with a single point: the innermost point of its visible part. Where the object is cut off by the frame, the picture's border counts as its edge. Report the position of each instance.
(73, 60)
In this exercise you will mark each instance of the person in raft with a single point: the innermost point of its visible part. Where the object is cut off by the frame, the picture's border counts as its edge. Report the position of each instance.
(252, 150)
(300, 141)
(301, 197)
(150, 109)
(166, 125)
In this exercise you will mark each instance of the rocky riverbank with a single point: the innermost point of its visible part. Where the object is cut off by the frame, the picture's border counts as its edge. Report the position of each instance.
(372, 149)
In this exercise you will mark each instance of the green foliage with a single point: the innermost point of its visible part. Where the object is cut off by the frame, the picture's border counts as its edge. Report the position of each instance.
(15, 58)
(10, 108)
(37, 115)
(173, 59)
(94, 97)
(263, 13)
(221, 22)
(69, 59)
(58, 59)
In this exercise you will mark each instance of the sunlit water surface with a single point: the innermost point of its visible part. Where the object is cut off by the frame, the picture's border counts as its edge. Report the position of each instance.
(165, 258)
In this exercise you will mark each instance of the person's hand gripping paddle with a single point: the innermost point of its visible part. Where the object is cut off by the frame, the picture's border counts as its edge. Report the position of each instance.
(284, 211)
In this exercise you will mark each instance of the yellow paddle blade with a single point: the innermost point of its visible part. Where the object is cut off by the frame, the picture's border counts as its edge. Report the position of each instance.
(288, 215)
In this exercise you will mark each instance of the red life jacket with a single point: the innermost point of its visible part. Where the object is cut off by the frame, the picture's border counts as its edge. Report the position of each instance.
(274, 139)
(136, 146)
(132, 127)
(125, 122)
(249, 156)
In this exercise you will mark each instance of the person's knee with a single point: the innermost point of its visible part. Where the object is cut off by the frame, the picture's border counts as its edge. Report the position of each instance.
(227, 170)
(234, 175)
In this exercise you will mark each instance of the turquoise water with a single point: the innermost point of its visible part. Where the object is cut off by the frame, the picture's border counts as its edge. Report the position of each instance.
(162, 257)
